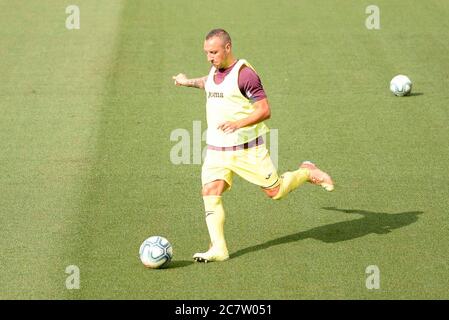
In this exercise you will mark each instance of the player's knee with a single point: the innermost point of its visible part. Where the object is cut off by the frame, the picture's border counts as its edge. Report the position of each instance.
(208, 191)
(271, 193)
(212, 189)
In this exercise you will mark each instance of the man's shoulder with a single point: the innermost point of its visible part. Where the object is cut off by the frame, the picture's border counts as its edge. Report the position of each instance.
(247, 70)
(248, 74)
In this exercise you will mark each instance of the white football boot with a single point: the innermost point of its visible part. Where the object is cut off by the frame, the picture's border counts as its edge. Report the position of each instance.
(211, 255)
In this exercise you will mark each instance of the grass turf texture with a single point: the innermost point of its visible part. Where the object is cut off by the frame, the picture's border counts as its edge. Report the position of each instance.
(86, 174)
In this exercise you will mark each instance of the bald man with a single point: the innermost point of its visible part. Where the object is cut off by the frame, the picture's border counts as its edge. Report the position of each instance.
(236, 109)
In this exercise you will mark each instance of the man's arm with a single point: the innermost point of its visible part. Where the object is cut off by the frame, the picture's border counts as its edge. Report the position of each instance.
(262, 112)
(181, 80)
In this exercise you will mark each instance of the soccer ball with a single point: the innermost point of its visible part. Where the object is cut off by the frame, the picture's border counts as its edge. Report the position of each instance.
(155, 252)
(401, 85)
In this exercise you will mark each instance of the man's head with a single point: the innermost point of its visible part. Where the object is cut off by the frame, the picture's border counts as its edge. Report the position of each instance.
(218, 48)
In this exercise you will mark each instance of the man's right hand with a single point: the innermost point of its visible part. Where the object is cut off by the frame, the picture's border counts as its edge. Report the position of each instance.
(181, 80)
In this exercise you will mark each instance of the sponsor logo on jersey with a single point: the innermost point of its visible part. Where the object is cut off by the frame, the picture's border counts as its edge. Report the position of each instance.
(215, 95)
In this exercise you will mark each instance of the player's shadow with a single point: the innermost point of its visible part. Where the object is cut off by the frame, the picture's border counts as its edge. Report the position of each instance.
(371, 222)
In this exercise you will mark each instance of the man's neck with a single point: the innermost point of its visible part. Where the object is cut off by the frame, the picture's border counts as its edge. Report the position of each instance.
(229, 63)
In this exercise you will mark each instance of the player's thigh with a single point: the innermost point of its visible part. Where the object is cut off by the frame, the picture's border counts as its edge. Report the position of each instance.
(216, 168)
(255, 165)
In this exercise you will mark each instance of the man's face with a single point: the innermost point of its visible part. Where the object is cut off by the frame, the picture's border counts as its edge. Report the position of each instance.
(217, 52)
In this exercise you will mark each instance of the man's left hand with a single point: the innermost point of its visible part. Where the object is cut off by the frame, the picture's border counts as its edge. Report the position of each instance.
(229, 126)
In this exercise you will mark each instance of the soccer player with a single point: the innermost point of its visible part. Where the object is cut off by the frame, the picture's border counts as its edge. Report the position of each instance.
(236, 108)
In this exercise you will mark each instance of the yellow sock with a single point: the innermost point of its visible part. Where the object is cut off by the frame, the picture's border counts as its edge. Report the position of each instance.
(215, 219)
(290, 181)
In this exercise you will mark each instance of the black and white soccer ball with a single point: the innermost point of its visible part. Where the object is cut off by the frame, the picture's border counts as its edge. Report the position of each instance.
(156, 252)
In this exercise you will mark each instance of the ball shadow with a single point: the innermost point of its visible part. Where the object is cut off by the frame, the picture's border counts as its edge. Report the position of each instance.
(179, 264)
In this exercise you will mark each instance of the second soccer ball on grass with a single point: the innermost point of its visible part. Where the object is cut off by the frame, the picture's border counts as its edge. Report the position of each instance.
(401, 85)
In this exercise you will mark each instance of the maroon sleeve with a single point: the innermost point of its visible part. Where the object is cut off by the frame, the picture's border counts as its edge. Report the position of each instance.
(250, 85)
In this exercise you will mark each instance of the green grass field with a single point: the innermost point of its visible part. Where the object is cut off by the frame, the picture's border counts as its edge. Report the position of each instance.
(86, 176)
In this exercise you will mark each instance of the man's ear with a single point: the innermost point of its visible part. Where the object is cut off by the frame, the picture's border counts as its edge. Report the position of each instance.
(228, 47)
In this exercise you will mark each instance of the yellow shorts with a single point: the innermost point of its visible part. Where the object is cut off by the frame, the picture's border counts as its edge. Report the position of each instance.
(252, 164)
